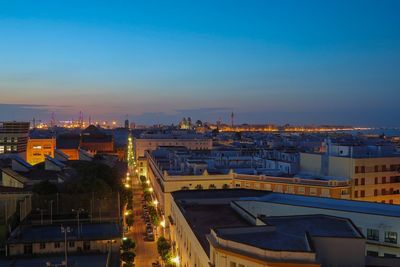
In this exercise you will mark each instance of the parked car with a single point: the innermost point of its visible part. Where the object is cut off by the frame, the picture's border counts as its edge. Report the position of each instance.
(150, 237)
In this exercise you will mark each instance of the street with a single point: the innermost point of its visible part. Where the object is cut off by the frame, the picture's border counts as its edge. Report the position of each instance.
(146, 252)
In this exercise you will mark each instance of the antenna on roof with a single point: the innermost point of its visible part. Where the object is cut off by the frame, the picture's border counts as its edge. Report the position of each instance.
(52, 120)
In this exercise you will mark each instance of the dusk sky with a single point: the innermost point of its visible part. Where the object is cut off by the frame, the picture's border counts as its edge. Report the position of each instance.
(313, 62)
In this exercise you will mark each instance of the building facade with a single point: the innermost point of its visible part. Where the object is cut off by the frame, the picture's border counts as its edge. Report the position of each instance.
(38, 148)
(375, 179)
(14, 137)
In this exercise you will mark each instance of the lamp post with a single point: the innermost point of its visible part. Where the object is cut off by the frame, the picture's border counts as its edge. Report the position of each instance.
(78, 212)
(65, 230)
(51, 211)
(41, 215)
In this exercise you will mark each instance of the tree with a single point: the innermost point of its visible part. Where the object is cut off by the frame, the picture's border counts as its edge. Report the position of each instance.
(128, 244)
(129, 220)
(45, 188)
(155, 220)
(128, 257)
(164, 249)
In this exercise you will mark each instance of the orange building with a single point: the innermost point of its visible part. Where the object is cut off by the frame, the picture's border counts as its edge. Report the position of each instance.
(38, 148)
(95, 140)
(69, 145)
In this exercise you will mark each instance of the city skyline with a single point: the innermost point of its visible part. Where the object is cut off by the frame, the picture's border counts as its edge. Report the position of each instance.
(332, 62)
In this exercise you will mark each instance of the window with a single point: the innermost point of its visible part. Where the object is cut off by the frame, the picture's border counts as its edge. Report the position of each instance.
(42, 245)
(373, 234)
(376, 180)
(383, 191)
(57, 245)
(362, 181)
(391, 237)
(383, 180)
(362, 192)
(362, 169)
(376, 168)
(71, 244)
(232, 264)
(241, 265)
(301, 190)
(387, 255)
(375, 192)
(356, 181)
(372, 253)
(356, 169)
(313, 191)
(356, 194)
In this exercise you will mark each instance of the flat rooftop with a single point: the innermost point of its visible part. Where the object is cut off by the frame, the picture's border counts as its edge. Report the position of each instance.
(92, 260)
(217, 194)
(290, 232)
(52, 233)
(330, 203)
(204, 217)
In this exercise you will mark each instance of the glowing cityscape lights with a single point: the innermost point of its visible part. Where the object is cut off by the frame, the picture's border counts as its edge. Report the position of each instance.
(175, 260)
(162, 223)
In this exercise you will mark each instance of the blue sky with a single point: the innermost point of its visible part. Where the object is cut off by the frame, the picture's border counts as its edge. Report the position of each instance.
(294, 61)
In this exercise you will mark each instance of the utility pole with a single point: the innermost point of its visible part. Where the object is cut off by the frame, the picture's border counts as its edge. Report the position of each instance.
(41, 215)
(65, 230)
(51, 211)
(78, 211)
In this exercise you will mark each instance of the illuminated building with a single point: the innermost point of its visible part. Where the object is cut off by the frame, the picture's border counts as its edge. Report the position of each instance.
(252, 228)
(164, 173)
(151, 142)
(69, 145)
(38, 148)
(95, 140)
(374, 171)
(14, 137)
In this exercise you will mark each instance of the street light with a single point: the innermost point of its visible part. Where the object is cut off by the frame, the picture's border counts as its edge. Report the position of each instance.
(51, 211)
(41, 214)
(151, 190)
(78, 211)
(176, 260)
(155, 202)
(162, 223)
(65, 230)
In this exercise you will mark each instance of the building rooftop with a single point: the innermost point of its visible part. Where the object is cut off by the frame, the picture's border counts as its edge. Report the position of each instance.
(204, 217)
(330, 203)
(290, 233)
(217, 194)
(68, 141)
(52, 233)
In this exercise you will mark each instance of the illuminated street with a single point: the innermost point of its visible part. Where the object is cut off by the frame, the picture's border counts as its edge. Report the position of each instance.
(146, 252)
